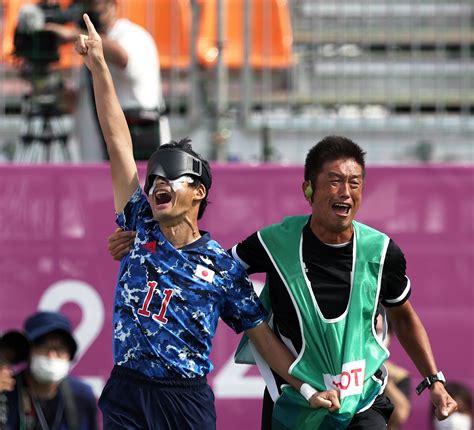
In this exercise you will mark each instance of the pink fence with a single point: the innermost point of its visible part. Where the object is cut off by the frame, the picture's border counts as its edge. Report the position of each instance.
(54, 222)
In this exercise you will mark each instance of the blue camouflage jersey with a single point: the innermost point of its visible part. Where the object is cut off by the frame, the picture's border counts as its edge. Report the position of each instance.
(168, 301)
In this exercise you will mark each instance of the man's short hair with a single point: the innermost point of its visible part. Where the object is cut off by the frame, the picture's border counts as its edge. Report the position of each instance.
(332, 148)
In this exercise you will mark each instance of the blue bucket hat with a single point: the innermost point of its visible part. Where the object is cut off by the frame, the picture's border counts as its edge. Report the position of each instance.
(43, 323)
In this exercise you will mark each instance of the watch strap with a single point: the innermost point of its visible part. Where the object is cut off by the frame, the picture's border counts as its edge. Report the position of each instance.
(429, 381)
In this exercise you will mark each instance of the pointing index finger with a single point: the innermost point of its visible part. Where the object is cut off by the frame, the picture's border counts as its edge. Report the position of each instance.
(90, 27)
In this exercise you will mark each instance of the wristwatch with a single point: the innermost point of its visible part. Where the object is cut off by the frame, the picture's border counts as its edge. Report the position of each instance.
(429, 381)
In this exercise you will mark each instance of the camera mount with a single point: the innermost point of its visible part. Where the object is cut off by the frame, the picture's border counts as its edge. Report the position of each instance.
(43, 136)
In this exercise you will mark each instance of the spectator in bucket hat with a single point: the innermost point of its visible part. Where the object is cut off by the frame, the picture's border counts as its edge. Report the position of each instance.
(50, 398)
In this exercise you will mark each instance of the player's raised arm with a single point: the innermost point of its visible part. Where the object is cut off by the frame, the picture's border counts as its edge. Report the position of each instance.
(111, 117)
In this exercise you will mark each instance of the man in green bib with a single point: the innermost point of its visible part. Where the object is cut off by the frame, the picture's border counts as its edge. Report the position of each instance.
(326, 275)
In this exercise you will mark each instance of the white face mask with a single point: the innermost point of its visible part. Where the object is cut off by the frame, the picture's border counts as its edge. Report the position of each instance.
(456, 421)
(48, 370)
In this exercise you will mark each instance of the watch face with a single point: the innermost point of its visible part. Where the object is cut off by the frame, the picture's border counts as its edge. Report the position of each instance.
(440, 377)
(437, 377)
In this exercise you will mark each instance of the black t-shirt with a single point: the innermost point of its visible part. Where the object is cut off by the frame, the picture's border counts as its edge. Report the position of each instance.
(328, 268)
(52, 410)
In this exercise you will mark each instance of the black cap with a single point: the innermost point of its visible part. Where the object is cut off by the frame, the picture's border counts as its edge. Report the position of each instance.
(43, 323)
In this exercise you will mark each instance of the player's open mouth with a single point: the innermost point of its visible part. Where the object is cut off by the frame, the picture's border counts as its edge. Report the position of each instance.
(162, 197)
(341, 209)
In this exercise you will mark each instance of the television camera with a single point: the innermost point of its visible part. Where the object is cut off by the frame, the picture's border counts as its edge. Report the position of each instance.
(38, 45)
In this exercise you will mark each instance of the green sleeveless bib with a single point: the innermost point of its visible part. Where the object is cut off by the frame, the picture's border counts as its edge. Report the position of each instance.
(342, 353)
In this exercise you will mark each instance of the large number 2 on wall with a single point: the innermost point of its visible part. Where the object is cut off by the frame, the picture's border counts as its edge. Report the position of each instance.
(88, 300)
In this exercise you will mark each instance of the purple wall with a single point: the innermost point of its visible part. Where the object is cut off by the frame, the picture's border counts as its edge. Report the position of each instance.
(54, 222)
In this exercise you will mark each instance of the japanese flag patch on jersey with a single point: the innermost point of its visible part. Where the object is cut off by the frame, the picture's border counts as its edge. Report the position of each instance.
(204, 273)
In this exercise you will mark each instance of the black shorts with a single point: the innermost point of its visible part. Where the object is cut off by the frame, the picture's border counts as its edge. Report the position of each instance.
(374, 418)
(133, 401)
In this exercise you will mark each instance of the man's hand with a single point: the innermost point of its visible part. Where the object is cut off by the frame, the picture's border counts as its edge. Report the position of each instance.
(326, 399)
(90, 46)
(444, 404)
(120, 242)
(7, 382)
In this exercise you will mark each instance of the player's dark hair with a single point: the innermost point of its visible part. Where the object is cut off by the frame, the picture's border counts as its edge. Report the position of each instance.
(185, 146)
(331, 148)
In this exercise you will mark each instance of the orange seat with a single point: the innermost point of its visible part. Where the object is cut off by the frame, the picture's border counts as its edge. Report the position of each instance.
(68, 56)
(169, 22)
(270, 33)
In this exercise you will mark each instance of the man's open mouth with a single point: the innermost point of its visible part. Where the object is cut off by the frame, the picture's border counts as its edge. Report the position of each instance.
(341, 208)
(162, 197)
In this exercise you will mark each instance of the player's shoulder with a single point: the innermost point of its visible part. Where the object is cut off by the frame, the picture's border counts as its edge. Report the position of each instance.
(394, 248)
(138, 203)
(124, 26)
(223, 260)
(395, 256)
(366, 229)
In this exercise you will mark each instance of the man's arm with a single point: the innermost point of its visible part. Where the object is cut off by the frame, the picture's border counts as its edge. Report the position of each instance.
(114, 53)
(65, 33)
(398, 397)
(111, 118)
(249, 253)
(402, 406)
(279, 358)
(412, 336)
